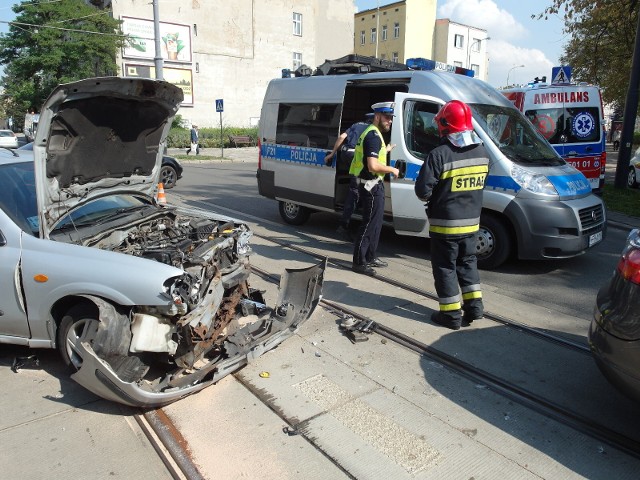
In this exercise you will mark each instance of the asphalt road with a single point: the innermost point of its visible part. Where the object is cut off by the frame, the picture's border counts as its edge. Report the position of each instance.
(569, 286)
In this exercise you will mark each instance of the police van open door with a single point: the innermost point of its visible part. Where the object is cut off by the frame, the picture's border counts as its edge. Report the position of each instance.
(415, 135)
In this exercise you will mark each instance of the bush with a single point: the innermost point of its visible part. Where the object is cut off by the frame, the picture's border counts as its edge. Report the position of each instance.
(209, 137)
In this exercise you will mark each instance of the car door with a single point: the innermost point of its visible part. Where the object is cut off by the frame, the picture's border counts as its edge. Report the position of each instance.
(13, 315)
(415, 135)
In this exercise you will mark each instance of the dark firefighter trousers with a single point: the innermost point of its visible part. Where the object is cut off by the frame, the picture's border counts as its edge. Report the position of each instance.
(455, 269)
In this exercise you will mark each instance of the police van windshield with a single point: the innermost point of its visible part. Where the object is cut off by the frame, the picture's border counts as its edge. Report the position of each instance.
(515, 136)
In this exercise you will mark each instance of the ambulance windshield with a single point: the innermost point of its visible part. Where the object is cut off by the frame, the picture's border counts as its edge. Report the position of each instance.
(515, 136)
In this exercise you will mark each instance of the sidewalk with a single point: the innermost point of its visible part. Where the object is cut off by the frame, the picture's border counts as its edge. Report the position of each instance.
(244, 154)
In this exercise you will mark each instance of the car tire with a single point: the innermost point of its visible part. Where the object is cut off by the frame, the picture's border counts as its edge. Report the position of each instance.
(294, 214)
(80, 324)
(632, 180)
(495, 242)
(168, 177)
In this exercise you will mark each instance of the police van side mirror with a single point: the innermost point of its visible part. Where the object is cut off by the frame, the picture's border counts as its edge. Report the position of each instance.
(401, 165)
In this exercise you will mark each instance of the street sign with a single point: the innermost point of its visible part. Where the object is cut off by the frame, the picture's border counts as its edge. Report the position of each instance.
(219, 105)
(561, 74)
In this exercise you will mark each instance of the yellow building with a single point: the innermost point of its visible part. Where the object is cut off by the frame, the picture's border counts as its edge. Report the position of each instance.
(409, 29)
(396, 31)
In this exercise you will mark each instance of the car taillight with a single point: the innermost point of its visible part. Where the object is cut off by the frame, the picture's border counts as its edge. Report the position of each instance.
(259, 155)
(629, 266)
(603, 162)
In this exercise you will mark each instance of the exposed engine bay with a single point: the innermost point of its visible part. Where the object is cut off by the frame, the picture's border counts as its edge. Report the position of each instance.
(182, 343)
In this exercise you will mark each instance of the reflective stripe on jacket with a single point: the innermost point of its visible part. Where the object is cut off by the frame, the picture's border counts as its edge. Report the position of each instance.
(451, 180)
(358, 164)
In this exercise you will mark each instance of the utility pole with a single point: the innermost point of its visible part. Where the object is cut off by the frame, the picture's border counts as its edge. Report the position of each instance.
(156, 33)
(377, 26)
(630, 111)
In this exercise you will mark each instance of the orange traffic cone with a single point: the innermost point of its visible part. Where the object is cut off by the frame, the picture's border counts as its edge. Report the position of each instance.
(162, 198)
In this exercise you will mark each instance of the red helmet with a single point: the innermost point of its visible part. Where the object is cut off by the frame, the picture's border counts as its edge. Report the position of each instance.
(454, 116)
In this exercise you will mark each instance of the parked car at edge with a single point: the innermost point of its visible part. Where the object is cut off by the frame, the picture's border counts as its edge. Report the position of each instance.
(633, 177)
(614, 335)
(170, 172)
(143, 301)
(8, 139)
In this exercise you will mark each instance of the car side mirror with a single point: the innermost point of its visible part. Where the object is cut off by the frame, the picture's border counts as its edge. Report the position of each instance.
(3, 241)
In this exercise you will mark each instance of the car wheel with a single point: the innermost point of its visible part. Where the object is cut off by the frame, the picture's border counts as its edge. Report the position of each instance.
(293, 213)
(494, 242)
(632, 180)
(168, 176)
(80, 324)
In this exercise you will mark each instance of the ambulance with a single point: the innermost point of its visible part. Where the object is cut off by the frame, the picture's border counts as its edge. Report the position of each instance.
(535, 205)
(570, 117)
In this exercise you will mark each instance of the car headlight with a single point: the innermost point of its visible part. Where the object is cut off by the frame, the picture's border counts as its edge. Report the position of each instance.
(534, 182)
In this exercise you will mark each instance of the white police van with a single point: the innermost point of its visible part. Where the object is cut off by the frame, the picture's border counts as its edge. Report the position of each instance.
(535, 204)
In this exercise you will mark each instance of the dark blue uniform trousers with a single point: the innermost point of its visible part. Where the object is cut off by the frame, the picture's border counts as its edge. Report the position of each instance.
(366, 244)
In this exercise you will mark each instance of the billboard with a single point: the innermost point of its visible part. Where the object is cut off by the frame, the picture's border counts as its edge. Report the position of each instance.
(180, 77)
(175, 40)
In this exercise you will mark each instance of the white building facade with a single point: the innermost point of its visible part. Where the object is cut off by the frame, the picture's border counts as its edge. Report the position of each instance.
(230, 50)
(462, 46)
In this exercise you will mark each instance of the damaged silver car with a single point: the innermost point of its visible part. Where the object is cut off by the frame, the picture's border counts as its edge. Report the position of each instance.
(147, 303)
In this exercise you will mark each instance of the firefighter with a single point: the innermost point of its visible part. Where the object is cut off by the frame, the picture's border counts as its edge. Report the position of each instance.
(451, 181)
(369, 166)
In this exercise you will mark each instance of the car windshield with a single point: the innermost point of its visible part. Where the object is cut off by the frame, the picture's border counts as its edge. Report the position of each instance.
(101, 210)
(18, 195)
(515, 136)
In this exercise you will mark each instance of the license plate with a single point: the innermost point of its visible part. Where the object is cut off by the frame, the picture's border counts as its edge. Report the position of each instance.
(595, 238)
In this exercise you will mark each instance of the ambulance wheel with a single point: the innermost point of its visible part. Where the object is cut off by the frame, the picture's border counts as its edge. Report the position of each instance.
(294, 214)
(632, 180)
(494, 242)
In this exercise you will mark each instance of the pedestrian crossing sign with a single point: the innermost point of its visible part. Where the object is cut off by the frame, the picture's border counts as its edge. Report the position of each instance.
(219, 105)
(561, 74)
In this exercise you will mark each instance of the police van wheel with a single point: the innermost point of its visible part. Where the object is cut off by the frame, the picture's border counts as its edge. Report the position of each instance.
(293, 213)
(494, 243)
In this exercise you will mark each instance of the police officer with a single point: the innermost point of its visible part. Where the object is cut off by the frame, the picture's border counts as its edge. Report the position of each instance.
(451, 181)
(346, 144)
(369, 166)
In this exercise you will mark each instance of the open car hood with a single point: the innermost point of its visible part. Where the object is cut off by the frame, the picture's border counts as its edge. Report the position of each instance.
(100, 136)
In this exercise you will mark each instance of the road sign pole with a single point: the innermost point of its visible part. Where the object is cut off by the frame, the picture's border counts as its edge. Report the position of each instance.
(221, 137)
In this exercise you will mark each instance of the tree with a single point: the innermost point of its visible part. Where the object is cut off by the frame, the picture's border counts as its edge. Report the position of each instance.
(600, 47)
(50, 43)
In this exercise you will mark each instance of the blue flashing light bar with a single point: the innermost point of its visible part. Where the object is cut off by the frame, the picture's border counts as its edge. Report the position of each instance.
(427, 64)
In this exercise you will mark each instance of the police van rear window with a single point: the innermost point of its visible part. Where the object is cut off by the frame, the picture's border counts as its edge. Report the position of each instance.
(307, 124)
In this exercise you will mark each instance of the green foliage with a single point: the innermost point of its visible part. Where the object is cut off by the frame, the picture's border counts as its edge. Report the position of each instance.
(208, 137)
(48, 44)
(601, 42)
(622, 200)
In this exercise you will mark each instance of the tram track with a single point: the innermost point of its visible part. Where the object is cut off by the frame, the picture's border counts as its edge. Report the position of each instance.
(533, 331)
(507, 389)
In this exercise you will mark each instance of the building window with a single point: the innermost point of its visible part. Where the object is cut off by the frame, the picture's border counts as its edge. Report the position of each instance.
(363, 37)
(374, 35)
(458, 41)
(297, 60)
(384, 33)
(396, 30)
(394, 57)
(476, 69)
(457, 64)
(475, 46)
(297, 24)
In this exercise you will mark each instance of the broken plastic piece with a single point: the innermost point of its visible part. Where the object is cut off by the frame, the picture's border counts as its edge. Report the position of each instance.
(25, 362)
